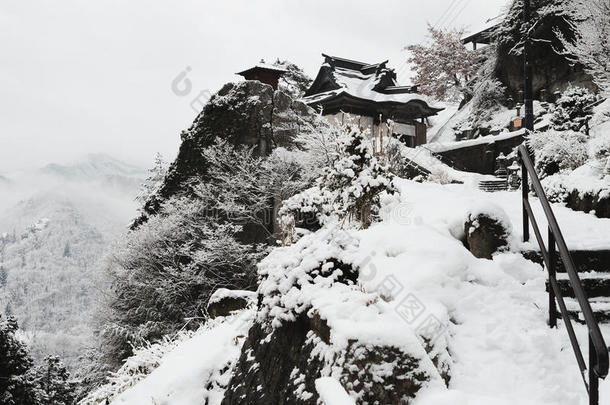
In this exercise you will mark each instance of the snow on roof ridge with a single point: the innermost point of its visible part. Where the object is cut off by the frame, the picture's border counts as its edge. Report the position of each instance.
(363, 65)
(484, 26)
(262, 65)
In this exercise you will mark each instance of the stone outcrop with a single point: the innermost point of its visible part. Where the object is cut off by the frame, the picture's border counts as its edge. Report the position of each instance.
(588, 202)
(280, 364)
(480, 157)
(247, 113)
(553, 71)
(485, 236)
(223, 302)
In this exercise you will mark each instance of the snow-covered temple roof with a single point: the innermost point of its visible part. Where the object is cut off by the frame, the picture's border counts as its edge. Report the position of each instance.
(262, 66)
(366, 89)
(482, 34)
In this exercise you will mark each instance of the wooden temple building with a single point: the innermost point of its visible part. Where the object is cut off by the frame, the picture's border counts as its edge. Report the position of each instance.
(264, 73)
(348, 89)
(484, 34)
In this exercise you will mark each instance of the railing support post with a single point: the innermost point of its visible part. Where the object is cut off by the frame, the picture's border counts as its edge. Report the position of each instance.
(525, 189)
(552, 270)
(593, 379)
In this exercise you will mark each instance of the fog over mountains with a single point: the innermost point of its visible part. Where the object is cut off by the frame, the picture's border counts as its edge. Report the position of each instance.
(56, 224)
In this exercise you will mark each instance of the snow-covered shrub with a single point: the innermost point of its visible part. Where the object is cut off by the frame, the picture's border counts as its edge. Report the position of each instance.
(487, 230)
(439, 175)
(145, 360)
(319, 147)
(555, 151)
(488, 97)
(242, 186)
(305, 289)
(571, 111)
(164, 271)
(156, 176)
(294, 82)
(350, 183)
(555, 189)
(599, 147)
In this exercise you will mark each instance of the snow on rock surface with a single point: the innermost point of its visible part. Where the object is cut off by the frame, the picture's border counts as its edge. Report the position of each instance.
(196, 371)
(224, 293)
(417, 289)
(439, 205)
(332, 393)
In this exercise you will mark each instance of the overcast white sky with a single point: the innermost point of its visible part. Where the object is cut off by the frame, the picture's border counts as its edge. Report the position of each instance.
(95, 76)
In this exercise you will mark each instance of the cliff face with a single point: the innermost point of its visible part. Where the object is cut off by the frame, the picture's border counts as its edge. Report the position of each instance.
(307, 326)
(246, 113)
(553, 71)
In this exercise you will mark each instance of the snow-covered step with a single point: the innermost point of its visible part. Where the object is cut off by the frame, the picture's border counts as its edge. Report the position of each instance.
(595, 285)
(584, 260)
(584, 275)
(599, 305)
(493, 185)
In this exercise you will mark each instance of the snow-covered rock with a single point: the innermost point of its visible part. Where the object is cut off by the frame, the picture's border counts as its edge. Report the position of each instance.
(342, 313)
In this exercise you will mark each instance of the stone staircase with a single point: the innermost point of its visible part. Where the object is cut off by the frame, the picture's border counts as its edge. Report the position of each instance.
(491, 186)
(594, 270)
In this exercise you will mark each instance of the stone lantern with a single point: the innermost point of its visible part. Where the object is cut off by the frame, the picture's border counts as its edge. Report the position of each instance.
(514, 178)
(501, 162)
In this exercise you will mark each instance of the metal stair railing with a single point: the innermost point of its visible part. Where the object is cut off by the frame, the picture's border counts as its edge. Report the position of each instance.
(598, 351)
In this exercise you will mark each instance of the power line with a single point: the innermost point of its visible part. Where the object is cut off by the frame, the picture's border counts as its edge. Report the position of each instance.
(459, 13)
(448, 16)
(450, 11)
(445, 13)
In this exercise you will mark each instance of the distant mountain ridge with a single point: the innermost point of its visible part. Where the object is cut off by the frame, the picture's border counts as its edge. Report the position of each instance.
(56, 224)
(95, 166)
(51, 269)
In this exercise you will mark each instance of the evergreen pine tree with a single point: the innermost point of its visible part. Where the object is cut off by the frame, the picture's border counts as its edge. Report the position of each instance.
(67, 252)
(17, 385)
(573, 109)
(350, 184)
(54, 382)
(3, 276)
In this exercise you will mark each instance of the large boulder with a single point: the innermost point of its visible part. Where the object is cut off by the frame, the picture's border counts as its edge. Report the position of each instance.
(246, 113)
(300, 335)
(224, 301)
(486, 234)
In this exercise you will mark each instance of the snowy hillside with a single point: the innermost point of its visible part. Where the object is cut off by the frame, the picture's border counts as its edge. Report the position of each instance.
(99, 167)
(489, 315)
(55, 226)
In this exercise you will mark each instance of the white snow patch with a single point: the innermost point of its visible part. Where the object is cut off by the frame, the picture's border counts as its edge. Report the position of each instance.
(187, 371)
(223, 293)
(332, 393)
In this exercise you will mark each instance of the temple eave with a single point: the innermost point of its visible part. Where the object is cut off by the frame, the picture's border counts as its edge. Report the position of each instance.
(402, 111)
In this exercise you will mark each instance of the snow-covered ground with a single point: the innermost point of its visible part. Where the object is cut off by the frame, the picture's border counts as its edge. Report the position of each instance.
(194, 371)
(493, 312)
(502, 349)
(441, 136)
(446, 206)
